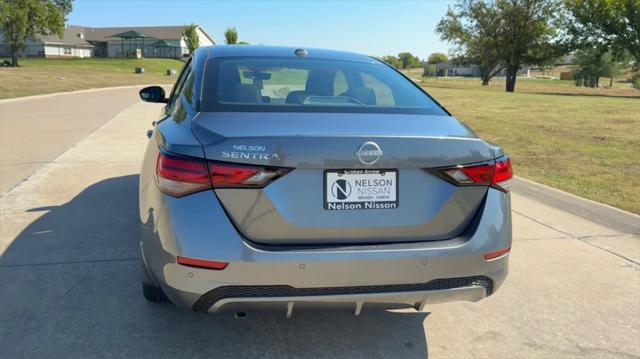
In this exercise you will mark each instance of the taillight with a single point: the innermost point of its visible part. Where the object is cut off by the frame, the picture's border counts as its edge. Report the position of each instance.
(480, 174)
(179, 176)
(497, 173)
(502, 174)
(233, 175)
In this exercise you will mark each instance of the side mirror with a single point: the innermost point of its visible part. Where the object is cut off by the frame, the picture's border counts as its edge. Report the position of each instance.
(153, 94)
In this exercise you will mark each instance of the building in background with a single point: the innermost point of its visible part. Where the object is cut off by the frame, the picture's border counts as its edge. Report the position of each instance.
(81, 41)
(452, 68)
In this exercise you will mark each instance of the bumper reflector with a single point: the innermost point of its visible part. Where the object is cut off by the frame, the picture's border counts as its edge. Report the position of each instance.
(497, 254)
(201, 263)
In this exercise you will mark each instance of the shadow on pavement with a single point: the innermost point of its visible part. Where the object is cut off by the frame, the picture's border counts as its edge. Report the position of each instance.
(69, 287)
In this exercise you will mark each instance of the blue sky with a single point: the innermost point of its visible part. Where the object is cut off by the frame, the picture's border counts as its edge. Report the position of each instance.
(370, 27)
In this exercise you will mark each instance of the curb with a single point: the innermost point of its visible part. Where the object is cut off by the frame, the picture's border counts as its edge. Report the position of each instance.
(35, 97)
(597, 212)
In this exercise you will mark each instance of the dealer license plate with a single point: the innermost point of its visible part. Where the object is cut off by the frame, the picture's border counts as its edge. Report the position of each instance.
(360, 189)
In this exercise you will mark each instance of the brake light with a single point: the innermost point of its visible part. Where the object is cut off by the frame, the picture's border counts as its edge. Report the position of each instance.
(497, 173)
(233, 175)
(202, 263)
(179, 176)
(473, 174)
(502, 174)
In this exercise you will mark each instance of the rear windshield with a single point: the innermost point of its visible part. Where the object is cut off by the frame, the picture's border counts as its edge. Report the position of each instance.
(309, 85)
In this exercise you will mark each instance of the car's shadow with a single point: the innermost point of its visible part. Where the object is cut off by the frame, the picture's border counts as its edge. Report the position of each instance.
(69, 287)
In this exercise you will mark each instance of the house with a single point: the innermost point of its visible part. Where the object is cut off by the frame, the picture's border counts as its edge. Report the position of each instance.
(72, 44)
(452, 68)
(82, 41)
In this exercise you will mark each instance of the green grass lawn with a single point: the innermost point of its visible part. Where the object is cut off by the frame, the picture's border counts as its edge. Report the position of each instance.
(40, 76)
(584, 143)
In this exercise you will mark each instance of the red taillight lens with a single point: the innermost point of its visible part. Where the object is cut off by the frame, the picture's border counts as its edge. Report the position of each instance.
(232, 175)
(480, 174)
(502, 174)
(179, 176)
(202, 263)
(495, 173)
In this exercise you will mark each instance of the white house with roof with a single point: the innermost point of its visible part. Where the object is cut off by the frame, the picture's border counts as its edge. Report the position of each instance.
(82, 41)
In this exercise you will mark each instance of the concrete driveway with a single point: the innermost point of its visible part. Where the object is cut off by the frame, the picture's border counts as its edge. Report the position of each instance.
(69, 282)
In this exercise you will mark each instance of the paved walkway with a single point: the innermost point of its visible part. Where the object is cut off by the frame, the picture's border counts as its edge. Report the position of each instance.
(35, 131)
(69, 282)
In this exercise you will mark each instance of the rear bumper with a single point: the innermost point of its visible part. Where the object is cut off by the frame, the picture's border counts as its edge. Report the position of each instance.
(354, 303)
(416, 295)
(409, 274)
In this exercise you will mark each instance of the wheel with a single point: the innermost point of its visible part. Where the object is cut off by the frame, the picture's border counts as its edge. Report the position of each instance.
(153, 293)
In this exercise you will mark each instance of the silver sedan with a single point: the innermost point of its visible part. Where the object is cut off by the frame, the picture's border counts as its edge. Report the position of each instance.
(289, 177)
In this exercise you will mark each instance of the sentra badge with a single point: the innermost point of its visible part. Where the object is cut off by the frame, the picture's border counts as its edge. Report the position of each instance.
(250, 152)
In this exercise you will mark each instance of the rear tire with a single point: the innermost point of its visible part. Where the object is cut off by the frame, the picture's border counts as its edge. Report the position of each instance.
(153, 294)
(150, 290)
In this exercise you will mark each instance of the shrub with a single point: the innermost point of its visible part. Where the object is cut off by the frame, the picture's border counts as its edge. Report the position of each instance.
(635, 81)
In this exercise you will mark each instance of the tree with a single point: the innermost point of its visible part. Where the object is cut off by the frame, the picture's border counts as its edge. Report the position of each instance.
(430, 70)
(393, 61)
(22, 20)
(605, 23)
(503, 34)
(231, 36)
(616, 66)
(436, 58)
(408, 60)
(191, 38)
(529, 34)
(594, 63)
(472, 27)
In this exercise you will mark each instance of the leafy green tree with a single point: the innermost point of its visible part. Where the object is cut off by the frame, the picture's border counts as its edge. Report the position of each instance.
(594, 63)
(191, 38)
(22, 20)
(430, 70)
(605, 23)
(436, 58)
(393, 61)
(231, 36)
(408, 60)
(504, 34)
(471, 27)
(529, 34)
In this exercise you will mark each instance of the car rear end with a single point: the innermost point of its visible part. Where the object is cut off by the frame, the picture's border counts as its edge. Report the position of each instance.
(320, 179)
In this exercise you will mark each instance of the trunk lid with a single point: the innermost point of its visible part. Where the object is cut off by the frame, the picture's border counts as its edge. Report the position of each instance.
(293, 209)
